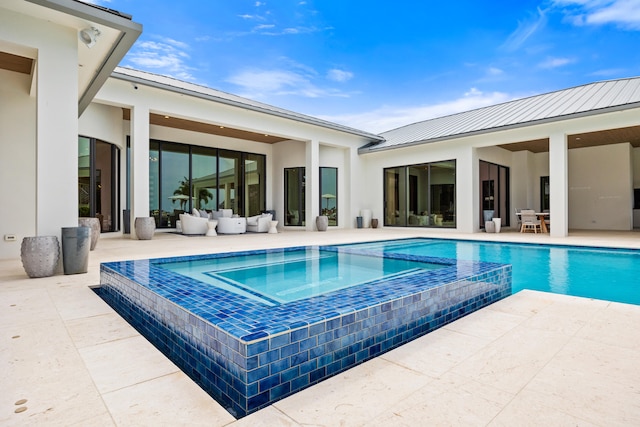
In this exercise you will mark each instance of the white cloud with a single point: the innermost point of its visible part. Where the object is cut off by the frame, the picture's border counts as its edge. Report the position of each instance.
(339, 75)
(525, 30)
(609, 72)
(165, 56)
(555, 63)
(390, 117)
(256, 84)
(623, 13)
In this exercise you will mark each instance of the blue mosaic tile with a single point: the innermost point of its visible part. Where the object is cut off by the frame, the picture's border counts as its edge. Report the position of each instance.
(247, 354)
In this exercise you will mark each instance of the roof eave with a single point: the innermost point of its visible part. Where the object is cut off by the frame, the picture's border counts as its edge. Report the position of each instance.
(372, 148)
(305, 119)
(130, 31)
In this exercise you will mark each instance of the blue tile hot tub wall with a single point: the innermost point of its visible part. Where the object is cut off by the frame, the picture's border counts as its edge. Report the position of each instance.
(246, 368)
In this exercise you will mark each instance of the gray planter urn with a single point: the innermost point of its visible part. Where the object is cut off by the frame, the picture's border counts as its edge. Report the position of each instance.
(76, 242)
(40, 255)
(94, 225)
(322, 222)
(145, 226)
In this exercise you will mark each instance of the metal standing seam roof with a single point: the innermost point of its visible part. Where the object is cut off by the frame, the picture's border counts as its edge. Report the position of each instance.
(578, 101)
(178, 86)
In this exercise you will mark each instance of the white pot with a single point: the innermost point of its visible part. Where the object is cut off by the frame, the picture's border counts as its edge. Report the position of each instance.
(498, 224)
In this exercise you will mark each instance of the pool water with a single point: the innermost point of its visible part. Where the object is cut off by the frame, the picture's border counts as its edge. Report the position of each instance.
(600, 273)
(281, 277)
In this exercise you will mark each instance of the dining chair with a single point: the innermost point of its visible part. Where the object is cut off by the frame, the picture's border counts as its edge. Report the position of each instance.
(529, 221)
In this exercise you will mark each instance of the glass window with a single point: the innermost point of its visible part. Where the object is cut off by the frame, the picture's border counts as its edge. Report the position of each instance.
(254, 184)
(229, 163)
(204, 178)
(84, 177)
(544, 193)
(98, 187)
(442, 179)
(420, 195)
(154, 180)
(174, 182)
(183, 177)
(294, 196)
(329, 194)
(395, 196)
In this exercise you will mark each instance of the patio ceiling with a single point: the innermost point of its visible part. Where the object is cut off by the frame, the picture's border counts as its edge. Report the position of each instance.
(582, 140)
(211, 129)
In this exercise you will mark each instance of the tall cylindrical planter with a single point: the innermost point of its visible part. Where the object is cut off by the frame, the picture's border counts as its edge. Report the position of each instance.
(40, 255)
(322, 222)
(359, 222)
(498, 224)
(366, 218)
(145, 226)
(76, 242)
(94, 224)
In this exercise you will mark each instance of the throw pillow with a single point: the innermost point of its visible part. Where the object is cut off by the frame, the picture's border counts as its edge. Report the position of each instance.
(203, 213)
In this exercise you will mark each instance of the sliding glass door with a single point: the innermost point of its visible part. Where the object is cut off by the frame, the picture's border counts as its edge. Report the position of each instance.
(183, 177)
(294, 196)
(420, 195)
(494, 193)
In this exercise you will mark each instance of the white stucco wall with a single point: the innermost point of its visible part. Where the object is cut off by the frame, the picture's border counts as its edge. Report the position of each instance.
(600, 188)
(17, 162)
(102, 122)
(50, 122)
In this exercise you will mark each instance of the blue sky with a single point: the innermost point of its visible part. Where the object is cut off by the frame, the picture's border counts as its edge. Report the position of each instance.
(379, 65)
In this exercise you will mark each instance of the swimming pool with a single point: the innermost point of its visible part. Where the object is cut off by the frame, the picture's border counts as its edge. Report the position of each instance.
(600, 273)
(248, 351)
(280, 277)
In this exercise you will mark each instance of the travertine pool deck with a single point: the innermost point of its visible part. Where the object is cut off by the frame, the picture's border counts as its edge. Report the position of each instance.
(531, 359)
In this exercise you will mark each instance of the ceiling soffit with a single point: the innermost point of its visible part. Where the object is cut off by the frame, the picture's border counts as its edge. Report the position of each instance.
(582, 140)
(211, 129)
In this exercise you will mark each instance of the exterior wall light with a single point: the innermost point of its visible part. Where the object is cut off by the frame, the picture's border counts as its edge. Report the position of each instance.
(89, 36)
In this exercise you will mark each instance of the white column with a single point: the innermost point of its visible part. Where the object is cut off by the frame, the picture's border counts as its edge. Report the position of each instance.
(559, 184)
(348, 209)
(312, 184)
(57, 135)
(467, 187)
(139, 164)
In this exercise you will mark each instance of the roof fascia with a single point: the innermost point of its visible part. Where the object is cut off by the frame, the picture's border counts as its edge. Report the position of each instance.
(369, 148)
(304, 119)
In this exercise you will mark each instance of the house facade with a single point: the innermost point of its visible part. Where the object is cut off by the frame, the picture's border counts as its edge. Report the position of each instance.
(83, 137)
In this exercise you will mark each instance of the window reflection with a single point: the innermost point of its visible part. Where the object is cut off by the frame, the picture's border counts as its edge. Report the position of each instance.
(329, 194)
(294, 196)
(420, 195)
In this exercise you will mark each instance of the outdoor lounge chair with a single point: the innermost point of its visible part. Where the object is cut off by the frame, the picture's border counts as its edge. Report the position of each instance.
(259, 223)
(192, 224)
